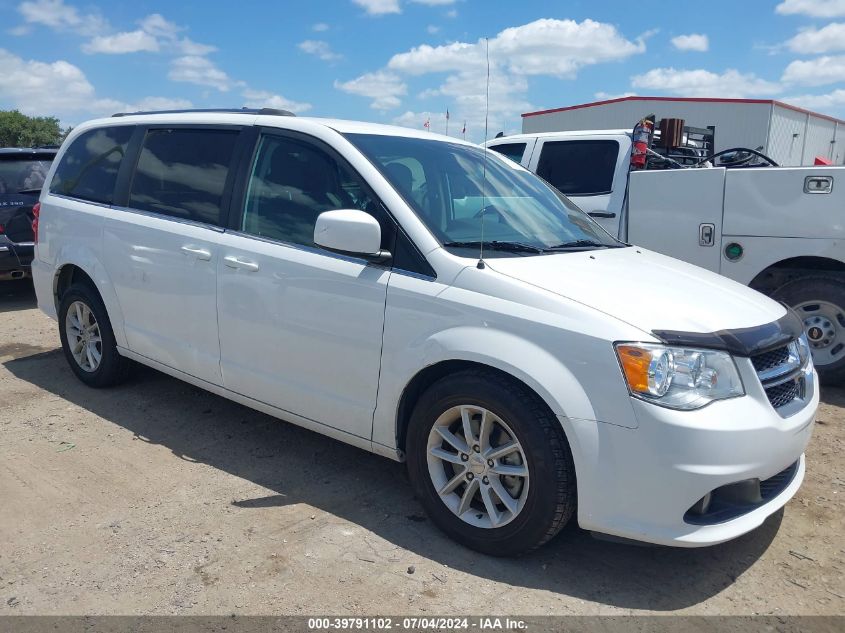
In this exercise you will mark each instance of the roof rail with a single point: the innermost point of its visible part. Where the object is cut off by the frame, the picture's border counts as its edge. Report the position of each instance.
(265, 111)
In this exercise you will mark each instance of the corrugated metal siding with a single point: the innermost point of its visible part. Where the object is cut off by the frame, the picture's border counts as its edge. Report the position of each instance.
(820, 133)
(737, 124)
(787, 137)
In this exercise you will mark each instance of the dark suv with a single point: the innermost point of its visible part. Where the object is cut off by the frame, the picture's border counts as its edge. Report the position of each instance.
(22, 173)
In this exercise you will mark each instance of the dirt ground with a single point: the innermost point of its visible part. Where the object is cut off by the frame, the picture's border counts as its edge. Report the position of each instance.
(159, 498)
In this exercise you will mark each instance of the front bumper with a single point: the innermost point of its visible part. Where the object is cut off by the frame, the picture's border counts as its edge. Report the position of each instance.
(638, 483)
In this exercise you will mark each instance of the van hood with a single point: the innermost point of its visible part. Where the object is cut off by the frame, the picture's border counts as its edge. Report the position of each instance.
(645, 289)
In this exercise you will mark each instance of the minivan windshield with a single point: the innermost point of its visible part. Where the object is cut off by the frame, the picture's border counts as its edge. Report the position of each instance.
(452, 187)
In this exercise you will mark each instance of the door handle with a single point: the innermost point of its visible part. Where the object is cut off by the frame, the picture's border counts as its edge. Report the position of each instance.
(196, 251)
(236, 262)
(602, 214)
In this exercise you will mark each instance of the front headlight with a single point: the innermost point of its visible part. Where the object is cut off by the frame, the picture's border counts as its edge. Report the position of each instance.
(677, 377)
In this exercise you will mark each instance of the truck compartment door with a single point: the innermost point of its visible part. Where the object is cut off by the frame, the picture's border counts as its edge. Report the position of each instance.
(678, 213)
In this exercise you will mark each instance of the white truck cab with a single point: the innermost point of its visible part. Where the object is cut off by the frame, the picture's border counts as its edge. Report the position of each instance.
(329, 273)
(779, 230)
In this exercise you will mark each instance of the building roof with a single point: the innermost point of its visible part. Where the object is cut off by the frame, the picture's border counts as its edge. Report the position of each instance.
(772, 102)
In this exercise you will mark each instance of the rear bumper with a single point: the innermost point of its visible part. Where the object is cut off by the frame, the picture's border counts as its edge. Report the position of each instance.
(15, 259)
(42, 280)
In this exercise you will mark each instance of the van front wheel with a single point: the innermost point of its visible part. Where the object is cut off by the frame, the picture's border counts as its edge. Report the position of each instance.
(490, 463)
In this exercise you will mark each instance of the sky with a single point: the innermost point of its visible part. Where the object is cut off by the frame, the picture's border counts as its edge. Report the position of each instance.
(408, 61)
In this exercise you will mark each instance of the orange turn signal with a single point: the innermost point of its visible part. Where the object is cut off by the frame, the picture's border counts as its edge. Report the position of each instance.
(635, 362)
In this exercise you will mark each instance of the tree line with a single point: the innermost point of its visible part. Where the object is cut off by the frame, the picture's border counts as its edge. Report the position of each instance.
(20, 130)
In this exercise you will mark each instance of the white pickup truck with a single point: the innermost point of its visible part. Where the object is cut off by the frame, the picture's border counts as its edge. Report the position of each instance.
(780, 230)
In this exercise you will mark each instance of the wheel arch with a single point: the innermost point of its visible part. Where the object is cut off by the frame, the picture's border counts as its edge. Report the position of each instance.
(85, 267)
(784, 271)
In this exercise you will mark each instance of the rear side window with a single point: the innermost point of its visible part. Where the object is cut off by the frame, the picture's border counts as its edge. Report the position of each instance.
(88, 169)
(182, 173)
(514, 151)
(579, 168)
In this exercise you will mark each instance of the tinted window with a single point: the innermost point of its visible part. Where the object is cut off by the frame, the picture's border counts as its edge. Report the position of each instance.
(182, 173)
(88, 169)
(293, 182)
(579, 168)
(462, 185)
(22, 174)
(514, 151)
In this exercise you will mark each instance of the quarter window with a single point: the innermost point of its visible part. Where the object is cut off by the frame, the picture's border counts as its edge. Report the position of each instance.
(88, 169)
(514, 151)
(293, 182)
(182, 173)
(579, 168)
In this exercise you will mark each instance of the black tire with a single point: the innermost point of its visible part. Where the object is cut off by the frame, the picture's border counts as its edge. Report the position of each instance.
(807, 289)
(113, 368)
(551, 496)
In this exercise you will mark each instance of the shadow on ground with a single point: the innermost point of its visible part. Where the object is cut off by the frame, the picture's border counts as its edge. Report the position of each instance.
(304, 467)
(16, 295)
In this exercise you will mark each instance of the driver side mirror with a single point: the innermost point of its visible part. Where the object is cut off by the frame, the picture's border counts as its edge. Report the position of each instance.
(350, 232)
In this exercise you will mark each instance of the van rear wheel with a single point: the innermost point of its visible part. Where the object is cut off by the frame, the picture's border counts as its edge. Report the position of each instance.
(820, 303)
(490, 463)
(88, 340)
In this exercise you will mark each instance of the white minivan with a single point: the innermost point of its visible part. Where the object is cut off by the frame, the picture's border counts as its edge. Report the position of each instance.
(429, 301)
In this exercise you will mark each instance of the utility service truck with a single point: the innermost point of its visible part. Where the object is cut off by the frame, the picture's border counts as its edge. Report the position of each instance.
(780, 230)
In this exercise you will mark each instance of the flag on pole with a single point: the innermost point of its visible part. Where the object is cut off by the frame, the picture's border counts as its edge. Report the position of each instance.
(464, 131)
(447, 121)
(427, 124)
(447, 114)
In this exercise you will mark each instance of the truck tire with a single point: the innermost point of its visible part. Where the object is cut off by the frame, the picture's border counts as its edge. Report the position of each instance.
(88, 340)
(820, 302)
(511, 487)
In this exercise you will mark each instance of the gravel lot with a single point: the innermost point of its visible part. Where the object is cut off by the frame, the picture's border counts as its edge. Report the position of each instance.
(159, 498)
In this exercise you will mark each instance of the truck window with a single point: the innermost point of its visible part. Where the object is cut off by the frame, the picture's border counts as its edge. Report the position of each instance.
(514, 151)
(579, 168)
(88, 169)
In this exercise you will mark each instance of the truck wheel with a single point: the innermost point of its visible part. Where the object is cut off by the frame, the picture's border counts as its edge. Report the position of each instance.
(490, 463)
(820, 302)
(88, 340)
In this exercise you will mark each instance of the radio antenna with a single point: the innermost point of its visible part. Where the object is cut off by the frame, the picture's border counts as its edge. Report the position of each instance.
(480, 264)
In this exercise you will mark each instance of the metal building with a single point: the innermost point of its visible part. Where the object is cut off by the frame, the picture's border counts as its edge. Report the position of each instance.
(789, 135)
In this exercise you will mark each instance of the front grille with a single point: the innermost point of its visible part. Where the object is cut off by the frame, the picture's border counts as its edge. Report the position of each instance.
(784, 393)
(770, 360)
(779, 373)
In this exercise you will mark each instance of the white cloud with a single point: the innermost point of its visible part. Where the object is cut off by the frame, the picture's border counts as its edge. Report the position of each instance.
(705, 83)
(61, 89)
(692, 42)
(813, 8)
(266, 99)
(383, 87)
(320, 49)
(379, 7)
(320, 27)
(200, 71)
(834, 99)
(543, 47)
(58, 16)
(131, 42)
(434, 3)
(432, 29)
(827, 39)
(816, 72)
(156, 24)
(608, 96)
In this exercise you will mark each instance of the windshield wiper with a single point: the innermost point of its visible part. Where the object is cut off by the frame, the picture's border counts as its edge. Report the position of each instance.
(498, 245)
(580, 244)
